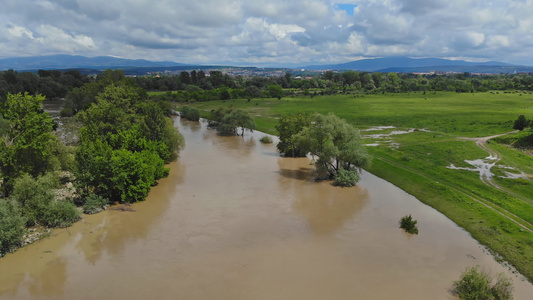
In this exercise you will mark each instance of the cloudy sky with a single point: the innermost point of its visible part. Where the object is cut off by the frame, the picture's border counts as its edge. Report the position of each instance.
(269, 32)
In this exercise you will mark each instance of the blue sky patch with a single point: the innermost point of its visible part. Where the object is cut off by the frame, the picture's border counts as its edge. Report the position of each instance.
(346, 7)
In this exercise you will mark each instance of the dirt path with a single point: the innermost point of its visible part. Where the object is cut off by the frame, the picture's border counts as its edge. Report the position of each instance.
(482, 143)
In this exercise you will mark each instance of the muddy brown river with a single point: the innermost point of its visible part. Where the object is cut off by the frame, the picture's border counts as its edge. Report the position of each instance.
(235, 221)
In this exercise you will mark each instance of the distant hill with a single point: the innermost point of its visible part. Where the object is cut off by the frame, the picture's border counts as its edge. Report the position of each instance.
(408, 65)
(400, 64)
(78, 62)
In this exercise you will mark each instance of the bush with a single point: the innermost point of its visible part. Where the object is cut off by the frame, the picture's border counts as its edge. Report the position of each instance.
(521, 123)
(11, 226)
(94, 204)
(60, 214)
(193, 114)
(34, 196)
(409, 224)
(477, 284)
(346, 178)
(266, 140)
(66, 112)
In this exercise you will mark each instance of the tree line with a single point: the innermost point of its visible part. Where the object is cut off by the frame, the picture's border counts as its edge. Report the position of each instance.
(49, 83)
(218, 86)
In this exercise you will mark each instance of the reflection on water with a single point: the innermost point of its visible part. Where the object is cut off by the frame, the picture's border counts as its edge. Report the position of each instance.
(235, 221)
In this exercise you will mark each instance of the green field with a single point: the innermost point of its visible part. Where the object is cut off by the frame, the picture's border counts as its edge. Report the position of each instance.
(418, 161)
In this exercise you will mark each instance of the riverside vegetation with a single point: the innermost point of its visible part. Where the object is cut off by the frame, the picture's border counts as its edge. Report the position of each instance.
(124, 142)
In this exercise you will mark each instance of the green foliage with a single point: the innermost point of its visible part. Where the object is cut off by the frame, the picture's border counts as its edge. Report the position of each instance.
(521, 123)
(94, 204)
(266, 140)
(227, 120)
(190, 113)
(288, 127)
(409, 225)
(237, 118)
(346, 178)
(12, 226)
(134, 173)
(26, 141)
(275, 91)
(475, 284)
(35, 196)
(334, 145)
(60, 214)
(66, 112)
(36, 199)
(125, 142)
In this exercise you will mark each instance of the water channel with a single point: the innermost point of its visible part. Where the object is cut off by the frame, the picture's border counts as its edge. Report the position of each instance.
(235, 221)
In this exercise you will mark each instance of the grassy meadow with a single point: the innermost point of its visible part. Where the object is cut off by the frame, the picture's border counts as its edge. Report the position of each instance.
(418, 161)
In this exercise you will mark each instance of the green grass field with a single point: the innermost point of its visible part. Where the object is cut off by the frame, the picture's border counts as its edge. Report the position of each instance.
(418, 161)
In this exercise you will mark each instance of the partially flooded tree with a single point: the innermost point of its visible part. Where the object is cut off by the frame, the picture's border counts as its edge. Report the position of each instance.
(288, 128)
(238, 118)
(335, 146)
(477, 284)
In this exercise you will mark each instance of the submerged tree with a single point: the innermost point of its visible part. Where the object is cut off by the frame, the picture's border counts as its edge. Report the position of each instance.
(288, 128)
(476, 284)
(335, 145)
(228, 120)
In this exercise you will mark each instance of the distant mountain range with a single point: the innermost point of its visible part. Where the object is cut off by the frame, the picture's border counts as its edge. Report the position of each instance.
(400, 64)
(79, 62)
(410, 65)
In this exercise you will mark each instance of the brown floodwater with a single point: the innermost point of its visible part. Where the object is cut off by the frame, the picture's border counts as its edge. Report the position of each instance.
(235, 221)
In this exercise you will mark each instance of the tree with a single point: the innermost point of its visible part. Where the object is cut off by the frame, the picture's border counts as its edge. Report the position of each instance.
(288, 127)
(124, 144)
(521, 123)
(275, 91)
(237, 118)
(335, 145)
(26, 142)
(475, 284)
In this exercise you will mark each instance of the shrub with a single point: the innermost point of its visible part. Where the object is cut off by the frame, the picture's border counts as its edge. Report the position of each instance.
(193, 114)
(521, 123)
(11, 226)
(190, 113)
(266, 140)
(409, 224)
(346, 178)
(66, 112)
(60, 214)
(34, 196)
(477, 284)
(94, 204)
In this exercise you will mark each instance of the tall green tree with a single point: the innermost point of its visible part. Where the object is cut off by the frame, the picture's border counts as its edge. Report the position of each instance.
(125, 142)
(275, 91)
(26, 139)
(234, 119)
(288, 128)
(335, 146)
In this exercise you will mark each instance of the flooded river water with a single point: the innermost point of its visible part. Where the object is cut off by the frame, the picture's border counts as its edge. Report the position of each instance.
(235, 221)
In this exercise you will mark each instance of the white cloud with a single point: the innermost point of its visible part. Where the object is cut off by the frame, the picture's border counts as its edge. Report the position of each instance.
(16, 31)
(268, 31)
